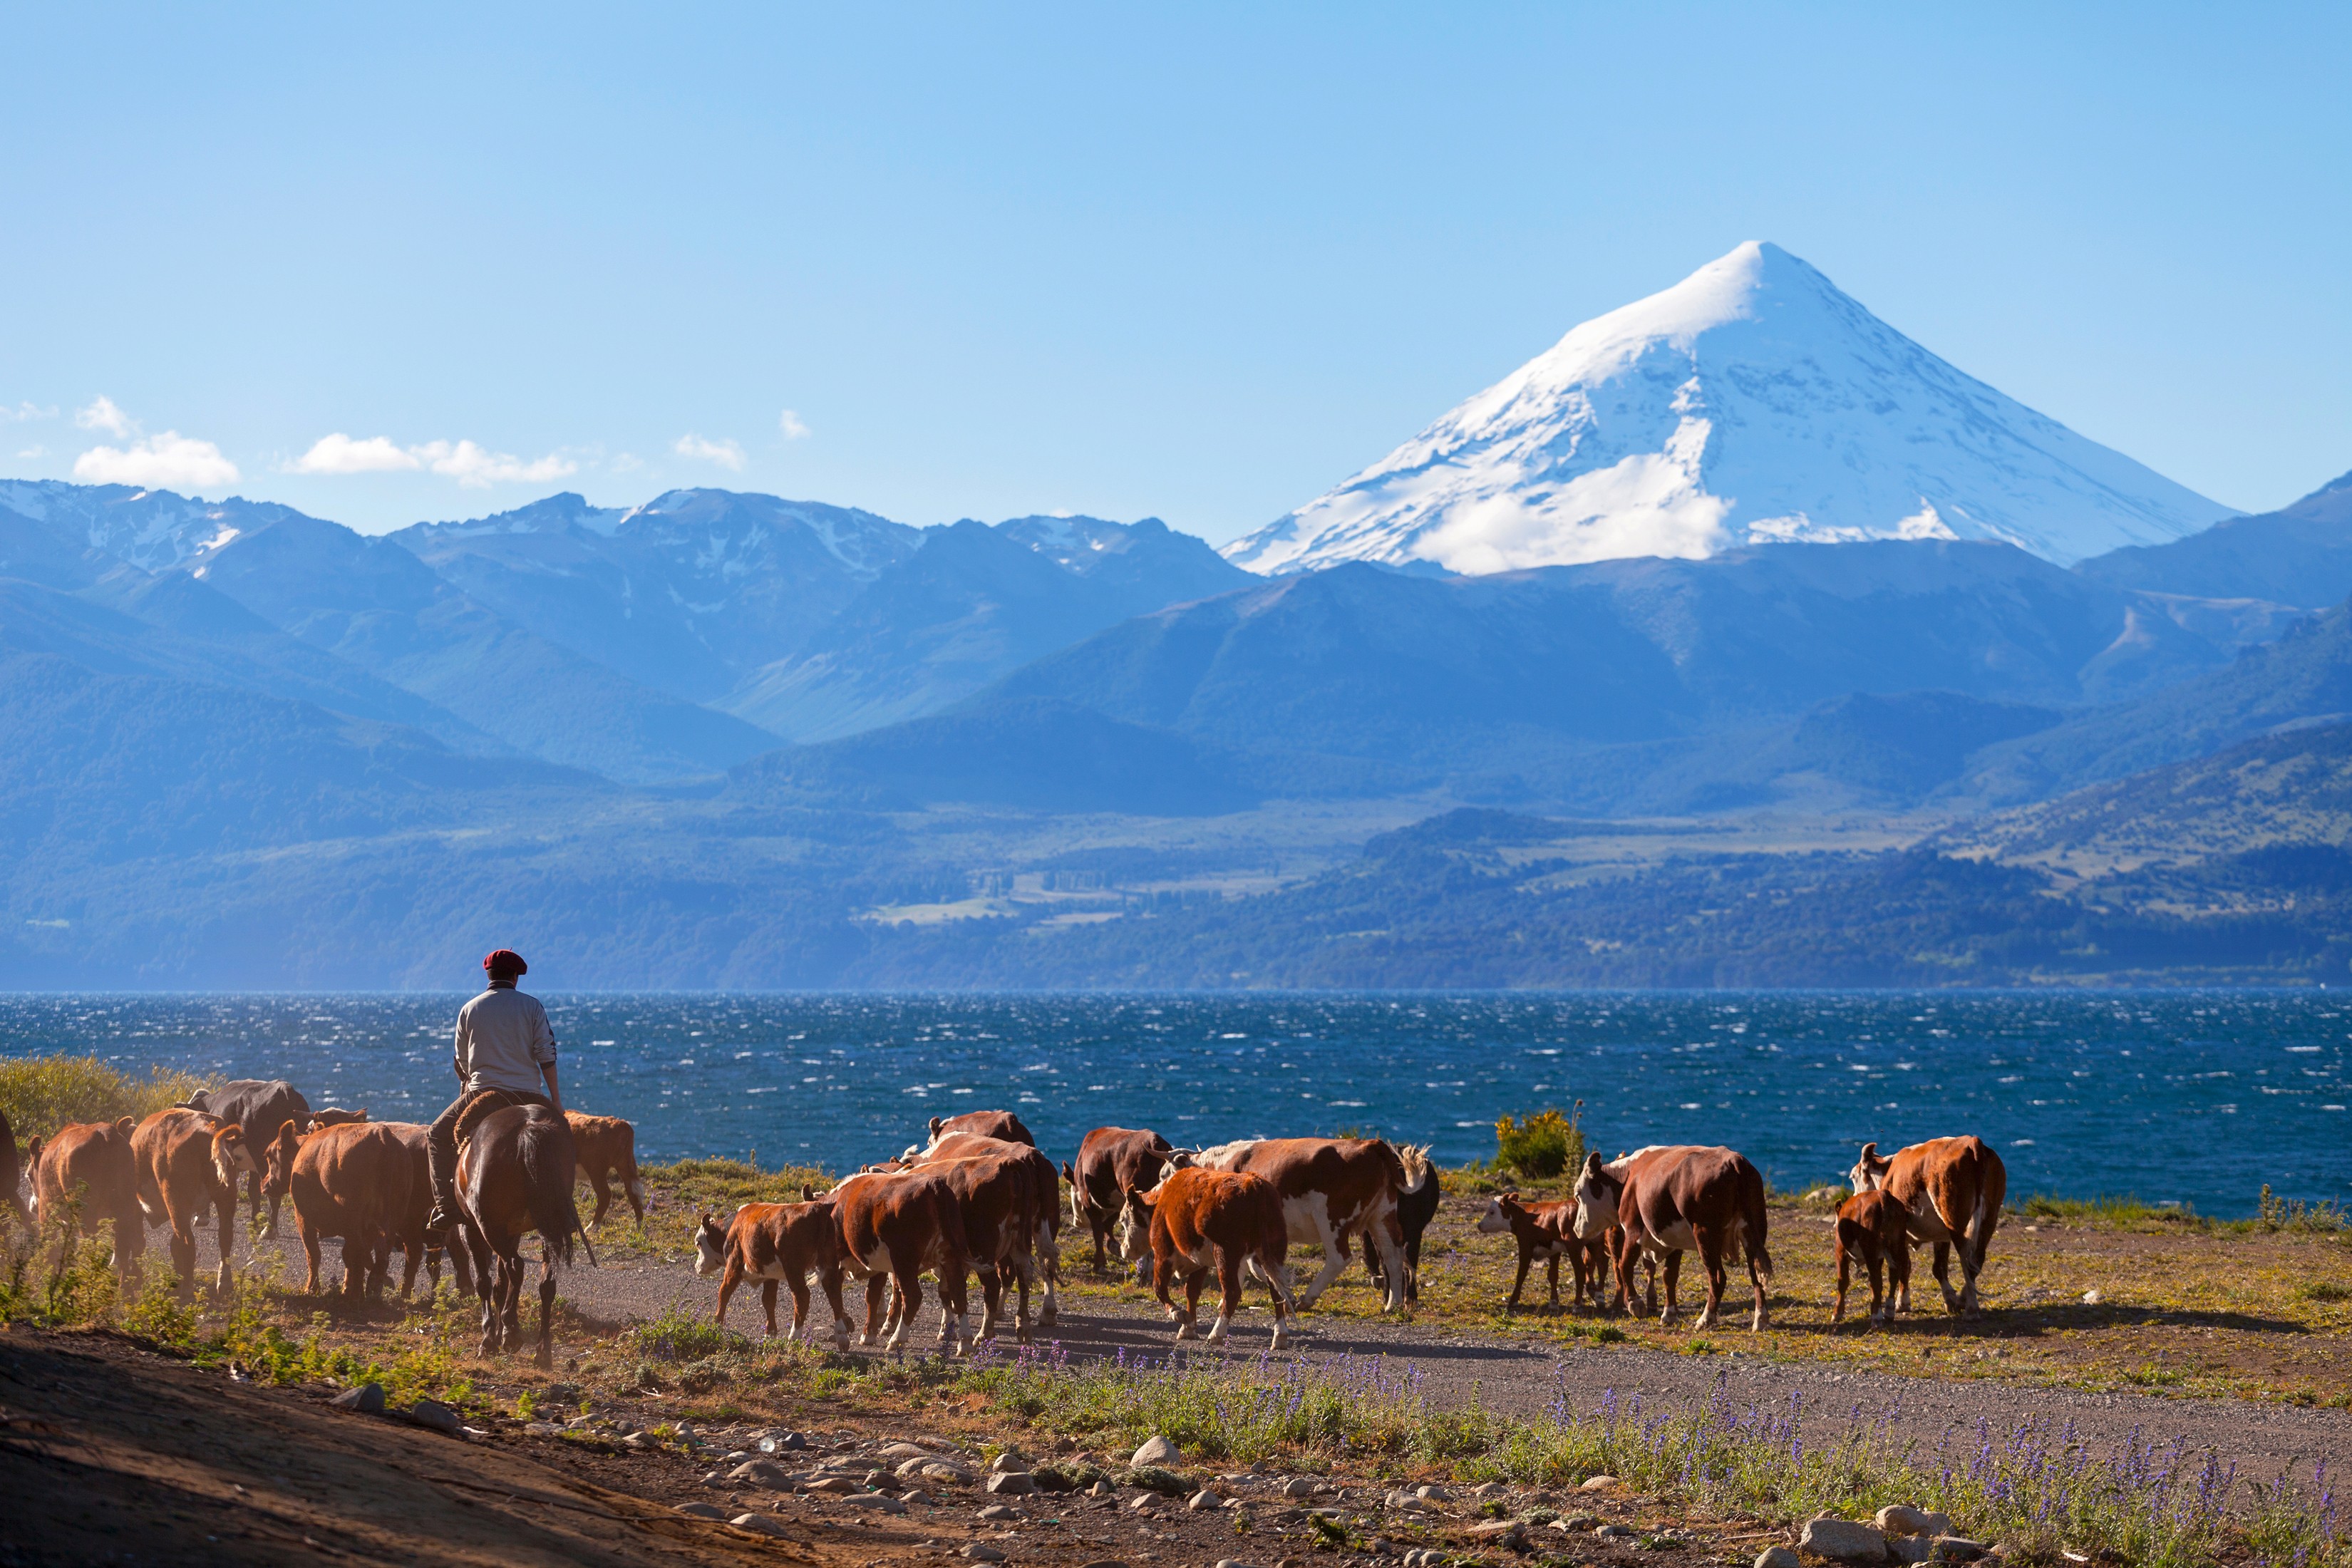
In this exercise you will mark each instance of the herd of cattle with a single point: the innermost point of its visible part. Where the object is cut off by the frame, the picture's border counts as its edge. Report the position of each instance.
(977, 1200)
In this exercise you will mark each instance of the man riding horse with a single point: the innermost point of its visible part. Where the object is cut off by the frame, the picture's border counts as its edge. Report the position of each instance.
(505, 1050)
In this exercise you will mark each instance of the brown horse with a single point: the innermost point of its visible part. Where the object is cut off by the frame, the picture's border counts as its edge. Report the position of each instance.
(514, 1176)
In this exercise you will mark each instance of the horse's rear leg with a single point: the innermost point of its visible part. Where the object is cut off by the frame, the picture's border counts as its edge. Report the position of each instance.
(546, 1313)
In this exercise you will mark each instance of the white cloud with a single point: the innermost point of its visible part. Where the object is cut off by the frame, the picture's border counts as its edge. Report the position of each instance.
(168, 460)
(725, 454)
(339, 454)
(472, 466)
(24, 413)
(103, 415)
(626, 463)
(31, 452)
(791, 425)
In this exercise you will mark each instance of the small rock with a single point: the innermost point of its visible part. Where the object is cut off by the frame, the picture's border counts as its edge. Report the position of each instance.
(1143, 1504)
(940, 1470)
(1937, 1523)
(717, 1481)
(836, 1486)
(1911, 1548)
(700, 1511)
(1297, 1486)
(1483, 1489)
(760, 1473)
(1011, 1483)
(1204, 1499)
(1902, 1519)
(367, 1399)
(1496, 1529)
(1439, 1494)
(907, 1451)
(1155, 1450)
(1616, 1532)
(875, 1502)
(1101, 1489)
(638, 1441)
(1843, 1540)
(1231, 1563)
(979, 1552)
(434, 1413)
(759, 1523)
(1600, 1484)
(1778, 1557)
(1957, 1549)
(1104, 1562)
(999, 1510)
(2093, 1298)
(1009, 1459)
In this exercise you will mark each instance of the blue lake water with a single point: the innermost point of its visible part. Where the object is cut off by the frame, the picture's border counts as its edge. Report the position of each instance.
(2198, 1098)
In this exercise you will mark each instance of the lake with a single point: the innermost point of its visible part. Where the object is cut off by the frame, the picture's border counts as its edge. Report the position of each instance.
(2189, 1096)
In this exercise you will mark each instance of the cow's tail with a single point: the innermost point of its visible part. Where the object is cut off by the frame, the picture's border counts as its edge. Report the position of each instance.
(1752, 1223)
(544, 1150)
(1419, 1171)
(629, 1178)
(1992, 1190)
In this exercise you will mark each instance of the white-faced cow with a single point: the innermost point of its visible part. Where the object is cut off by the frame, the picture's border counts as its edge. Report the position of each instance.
(778, 1244)
(1112, 1162)
(1330, 1187)
(1197, 1220)
(1545, 1233)
(1874, 1231)
(895, 1225)
(1952, 1189)
(1679, 1199)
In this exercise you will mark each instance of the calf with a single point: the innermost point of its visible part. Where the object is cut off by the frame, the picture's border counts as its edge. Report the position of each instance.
(12, 1181)
(1545, 1232)
(606, 1148)
(1873, 1227)
(895, 1225)
(1040, 1258)
(1113, 1162)
(1200, 1219)
(357, 1182)
(1952, 1190)
(259, 1106)
(985, 1123)
(85, 1174)
(1329, 1188)
(186, 1164)
(1683, 1199)
(777, 1243)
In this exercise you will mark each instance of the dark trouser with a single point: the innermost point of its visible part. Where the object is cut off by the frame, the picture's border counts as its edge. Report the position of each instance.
(441, 1138)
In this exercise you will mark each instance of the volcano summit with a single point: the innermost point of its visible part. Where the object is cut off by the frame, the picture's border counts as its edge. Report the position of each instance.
(1754, 402)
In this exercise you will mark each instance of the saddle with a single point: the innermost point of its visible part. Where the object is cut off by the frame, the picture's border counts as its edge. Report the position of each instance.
(484, 1102)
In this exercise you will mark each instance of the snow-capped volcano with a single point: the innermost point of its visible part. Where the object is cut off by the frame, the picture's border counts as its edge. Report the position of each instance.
(1751, 403)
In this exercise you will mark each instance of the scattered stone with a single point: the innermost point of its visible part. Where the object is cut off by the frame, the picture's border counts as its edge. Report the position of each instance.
(1011, 1483)
(2091, 1297)
(1407, 1501)
(876, 1502)
(367, 1399)
(907, 1451)
(1600, 1484)
(940, 1470)
(1843, 1540)
(1439, 1494)
(1778, 1557)
(1616, 1532)
(717, 1481)
(1957, 1549)
(1155, 1450)
(1495, 1529)
(638, 1441)
(837, 1486)
(1911, 1548)
(1902, 1519)
(542, 1428)
(1104, 1562)
(1297, 1486)
(1102, 1488)
(1009, 1459)
(1231, 1563)
(760, 1473)
(979, 1552)
(1143, 1504)
(914, 1496)
(1204, 1499)
(1582, 1521)
(434, 1413)
(759, 1523)
(999, 1510)
(1483, 1489)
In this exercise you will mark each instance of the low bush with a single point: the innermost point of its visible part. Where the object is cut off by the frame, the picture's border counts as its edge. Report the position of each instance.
(41, 1094)
(1542, 1146)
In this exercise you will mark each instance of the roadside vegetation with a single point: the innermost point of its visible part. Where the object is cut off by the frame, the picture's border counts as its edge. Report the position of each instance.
(41, 1094)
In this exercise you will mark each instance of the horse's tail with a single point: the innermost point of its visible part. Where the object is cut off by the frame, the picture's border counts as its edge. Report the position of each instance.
(545, 1152)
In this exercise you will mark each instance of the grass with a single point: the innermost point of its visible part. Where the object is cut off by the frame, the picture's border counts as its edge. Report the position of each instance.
(41, 1094)
(677, 1193)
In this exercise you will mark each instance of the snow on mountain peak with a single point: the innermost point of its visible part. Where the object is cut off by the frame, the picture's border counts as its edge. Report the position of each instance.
(1752, 403)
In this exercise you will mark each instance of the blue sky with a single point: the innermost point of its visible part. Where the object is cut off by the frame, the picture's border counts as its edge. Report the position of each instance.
(1199, 263)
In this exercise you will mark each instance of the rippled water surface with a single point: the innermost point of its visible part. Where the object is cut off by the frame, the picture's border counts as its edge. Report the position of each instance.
(2196, 1098)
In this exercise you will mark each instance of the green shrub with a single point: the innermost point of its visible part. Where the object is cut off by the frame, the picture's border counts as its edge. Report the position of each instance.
(1543, 1145)
(41, 1094)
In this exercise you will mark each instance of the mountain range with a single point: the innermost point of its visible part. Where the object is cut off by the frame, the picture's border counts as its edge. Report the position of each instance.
(1962, 670)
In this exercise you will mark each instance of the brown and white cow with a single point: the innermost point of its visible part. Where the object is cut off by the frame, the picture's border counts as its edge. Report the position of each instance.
(1231, 1221)
(1113, 1162)
(981, 1124)
(1039, 1261)
(85, 1173)
(1545, 1232)
(1952, 1189)
(606, 1148)
(777, 1244)
(895, 1225)
(1874, 1231)
(334, 1116)
(186, 1164)
(1330, 1188)
(999, 1200)
(1683, 1198)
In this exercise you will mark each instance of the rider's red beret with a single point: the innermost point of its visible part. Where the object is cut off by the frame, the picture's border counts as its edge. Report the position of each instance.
(505, 960)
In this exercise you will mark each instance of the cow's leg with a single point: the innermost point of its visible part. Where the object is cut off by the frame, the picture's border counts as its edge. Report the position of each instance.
(1943, 1277)
(597, 1183)
(1335, 1254)
(1412, 1272)
(1673, 1276)
(730, 1279)
(1710, 1257)
(1552, 1278)
(830, 1280)
(1282, 1303)
(1846, 1278)
(955, 1305)
(1879, 1263)
(310, 1253)
(412, 1257)
(1899, 1276)
(1163, 1275)
(1229, 1293)
(184, 1248)
(907, 1300)
(1519, 1281)
(1046, 1252)
(224, 1212)
(253, 1192)
(799, 1288)
(992, 1299)
(1100, 1226)
(1388, 1235)
(1190, 1326)
(274, 1199)
(875, 1284)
